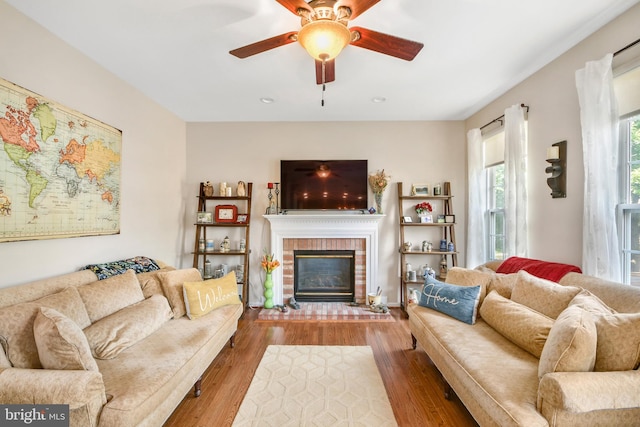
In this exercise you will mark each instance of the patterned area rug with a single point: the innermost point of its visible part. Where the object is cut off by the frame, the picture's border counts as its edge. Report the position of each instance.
(299, 385)
(326, 311)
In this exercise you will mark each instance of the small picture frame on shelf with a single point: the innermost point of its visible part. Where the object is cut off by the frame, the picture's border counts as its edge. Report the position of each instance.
(441, 219)
(205, 218)
(450, 219)
(426, 219)
(242, 218)
(420, 190)
(406, 219)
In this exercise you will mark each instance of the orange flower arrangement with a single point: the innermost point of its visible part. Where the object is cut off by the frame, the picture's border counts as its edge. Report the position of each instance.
(268, 263)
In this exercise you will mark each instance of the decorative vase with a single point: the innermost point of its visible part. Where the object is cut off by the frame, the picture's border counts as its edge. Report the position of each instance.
(378, 197)
(268, 291)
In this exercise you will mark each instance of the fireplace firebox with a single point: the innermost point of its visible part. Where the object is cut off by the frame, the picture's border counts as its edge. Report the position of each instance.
(324, 275)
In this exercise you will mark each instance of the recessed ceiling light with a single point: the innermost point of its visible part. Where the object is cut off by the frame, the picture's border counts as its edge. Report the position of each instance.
(378, 99)
(267, 100)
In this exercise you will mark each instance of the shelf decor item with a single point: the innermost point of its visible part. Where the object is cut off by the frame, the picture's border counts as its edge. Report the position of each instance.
(268, 265)
(378, 183)
(423, 209)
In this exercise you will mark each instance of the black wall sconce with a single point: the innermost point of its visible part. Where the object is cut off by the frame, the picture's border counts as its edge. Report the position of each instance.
(557, 182)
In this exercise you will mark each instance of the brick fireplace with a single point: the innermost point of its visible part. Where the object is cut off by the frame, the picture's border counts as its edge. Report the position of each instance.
(326, 231)
(323, 246)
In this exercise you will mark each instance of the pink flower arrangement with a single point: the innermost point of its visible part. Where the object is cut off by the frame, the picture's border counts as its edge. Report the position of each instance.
(423, 207)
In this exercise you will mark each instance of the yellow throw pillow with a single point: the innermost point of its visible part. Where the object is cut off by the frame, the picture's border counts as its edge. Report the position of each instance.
(203, 297)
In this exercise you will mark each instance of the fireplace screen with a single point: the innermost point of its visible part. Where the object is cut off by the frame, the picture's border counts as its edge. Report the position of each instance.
(324, 275)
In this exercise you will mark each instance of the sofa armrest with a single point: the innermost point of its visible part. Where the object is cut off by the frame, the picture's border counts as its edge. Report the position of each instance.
(44, 386)
(577, 392)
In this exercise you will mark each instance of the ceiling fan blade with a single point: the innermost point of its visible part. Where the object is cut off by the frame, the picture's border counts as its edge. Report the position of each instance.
(358, 7)
(384, 43)
(294, 5)
(264, 45)
(329, 71)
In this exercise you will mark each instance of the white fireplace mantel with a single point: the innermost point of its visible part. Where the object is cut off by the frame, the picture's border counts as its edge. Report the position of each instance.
(325, 226)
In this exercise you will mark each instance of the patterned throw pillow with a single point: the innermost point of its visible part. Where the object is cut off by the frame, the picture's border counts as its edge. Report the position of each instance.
(172, 281)
(61, 343)
(543, 296)
(203, 297)
(459, 302)
(571, 345)
(139, 264)
(520, 324)
(113, 334)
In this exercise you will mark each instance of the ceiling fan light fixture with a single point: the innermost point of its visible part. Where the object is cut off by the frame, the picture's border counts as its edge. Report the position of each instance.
(324, 39)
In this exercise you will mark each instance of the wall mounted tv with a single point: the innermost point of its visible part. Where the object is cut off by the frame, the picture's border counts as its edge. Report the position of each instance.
(323, 184)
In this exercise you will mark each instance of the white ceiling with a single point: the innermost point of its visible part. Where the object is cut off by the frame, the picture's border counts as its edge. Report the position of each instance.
(176, 52)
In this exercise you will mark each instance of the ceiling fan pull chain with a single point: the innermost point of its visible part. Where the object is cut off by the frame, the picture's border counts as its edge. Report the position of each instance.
(324, 79)
(323, 90)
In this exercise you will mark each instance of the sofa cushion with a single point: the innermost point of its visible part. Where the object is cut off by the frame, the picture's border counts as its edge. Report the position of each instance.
(591, 303)
(139, 264)
(503, 284)
(105, 297)
(618, 347)
(60, 342)
(203, 297)
(544, 269)
(618, 342)
(520, 324)
(16, 324)
(466, 277)
(172, 282)
(4, 360)
(109, 336)
(543, 296)
(571, 346)
(459, 302)
(150, 282)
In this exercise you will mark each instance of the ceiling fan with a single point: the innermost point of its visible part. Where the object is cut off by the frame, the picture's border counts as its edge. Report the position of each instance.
(324, 34)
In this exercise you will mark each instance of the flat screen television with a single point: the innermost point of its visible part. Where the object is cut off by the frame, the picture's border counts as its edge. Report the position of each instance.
(323, 184)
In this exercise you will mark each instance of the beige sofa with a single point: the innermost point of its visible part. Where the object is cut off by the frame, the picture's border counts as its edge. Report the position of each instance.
(575, 380)
(138, 354)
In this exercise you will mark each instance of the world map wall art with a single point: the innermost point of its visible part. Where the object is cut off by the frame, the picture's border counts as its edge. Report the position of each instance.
(59, 170)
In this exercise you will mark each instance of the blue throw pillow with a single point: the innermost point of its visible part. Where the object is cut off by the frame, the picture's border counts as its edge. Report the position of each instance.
(459, 302)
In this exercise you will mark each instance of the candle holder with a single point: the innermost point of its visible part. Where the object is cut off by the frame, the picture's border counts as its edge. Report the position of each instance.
(557, 182)
(271, 208)
(277, 191)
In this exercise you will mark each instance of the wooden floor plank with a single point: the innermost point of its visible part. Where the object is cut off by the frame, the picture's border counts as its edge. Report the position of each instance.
(414, 386)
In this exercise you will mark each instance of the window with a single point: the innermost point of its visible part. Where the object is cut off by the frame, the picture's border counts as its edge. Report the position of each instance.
(629, 210)
(495, 212)
(626, 84)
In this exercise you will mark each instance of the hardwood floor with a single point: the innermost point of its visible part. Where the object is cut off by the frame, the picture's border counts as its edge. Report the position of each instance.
(413, 384)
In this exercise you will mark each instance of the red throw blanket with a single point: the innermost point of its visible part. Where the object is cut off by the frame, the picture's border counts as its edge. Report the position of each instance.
(553, 271)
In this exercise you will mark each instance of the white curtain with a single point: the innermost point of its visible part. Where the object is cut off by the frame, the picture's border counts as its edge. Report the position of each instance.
(476, 207)
(600, 147)
(515, 171)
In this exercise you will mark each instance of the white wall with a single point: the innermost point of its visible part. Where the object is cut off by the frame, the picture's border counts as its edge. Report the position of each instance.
(555, 225)
(153, 154)
(411, 152)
